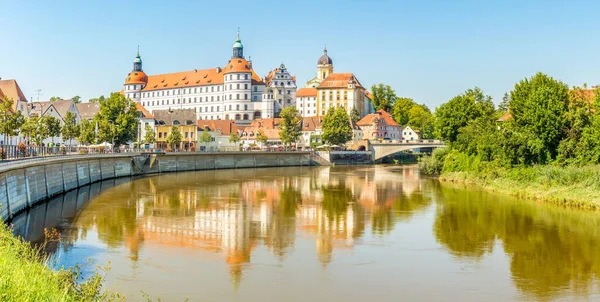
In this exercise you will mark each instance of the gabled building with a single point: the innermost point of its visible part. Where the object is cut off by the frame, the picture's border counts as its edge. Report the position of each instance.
(306, 101)
(145, 120)
(283, 87)
(184, 120)
(57, 109)
(312, 129)
(220, 131)
(409, 134)
(10, 89)
(87, 111)
(380, 126)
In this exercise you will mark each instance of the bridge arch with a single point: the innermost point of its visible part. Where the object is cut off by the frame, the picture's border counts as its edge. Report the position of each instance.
(385, 148)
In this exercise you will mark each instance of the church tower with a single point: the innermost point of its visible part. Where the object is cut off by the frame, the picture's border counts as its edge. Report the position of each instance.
(136, 80)
(324, 66)
(238, 48)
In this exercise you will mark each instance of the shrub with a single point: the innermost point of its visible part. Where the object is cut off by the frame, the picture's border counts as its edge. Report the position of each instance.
(432, 165)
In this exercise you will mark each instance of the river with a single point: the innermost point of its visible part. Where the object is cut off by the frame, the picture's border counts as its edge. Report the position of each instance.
(361, 233)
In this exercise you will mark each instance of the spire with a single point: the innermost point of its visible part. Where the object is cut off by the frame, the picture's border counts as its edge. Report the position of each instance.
(238, 48)
(137, 62)
(325, 49)
(238, 36)
(138, 51)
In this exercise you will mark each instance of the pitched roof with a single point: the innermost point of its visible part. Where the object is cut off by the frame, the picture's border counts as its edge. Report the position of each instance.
(306, 92)
(505, 117)
(11, 90)
(88, 110)
(381, 114)
(169, 116)
(192, 78)
(62, 106)
(368, 94)
(272, 134)
(143, 110)
(311, 123)
(266, 123)
(338, 80)
(226, 127)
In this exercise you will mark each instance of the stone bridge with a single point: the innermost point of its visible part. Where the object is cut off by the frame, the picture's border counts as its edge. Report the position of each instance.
(381, 149)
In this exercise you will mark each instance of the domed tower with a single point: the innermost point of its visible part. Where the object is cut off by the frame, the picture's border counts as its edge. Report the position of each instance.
(268, 103)
(136, 80)
(324, 66)
(238, 85)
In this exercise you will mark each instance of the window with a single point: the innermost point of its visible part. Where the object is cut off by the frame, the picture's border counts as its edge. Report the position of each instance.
(163, 93)
(175, 122)
(237, 116)
(245, 96)
(289, 91)
(230, 87)
(217, 108)
(211, 109)
(237, 107)
(212, 88)
(238, 76)
(185, 135)
(200, 99)
(167, 92)
(245, 86)
(218, 88)
(245, 117)
(200, 89)
(245, 107)
(218, 98)
(192, 134)
(246, 77)
(163, 102)
(255, 88)
(195, 100)
(237, 86)
(200, 109)
(160, 135)
(237, 97)
(195, 90)
(279, 90)
(254, 98)
(134, 95)
(289, 84)
(229, 107)
(212, 98)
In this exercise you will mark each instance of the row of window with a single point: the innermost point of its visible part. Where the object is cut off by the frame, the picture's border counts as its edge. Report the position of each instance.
(189, 100)
(185, 134)
(237, 107)
(237, 117)
(246, 77)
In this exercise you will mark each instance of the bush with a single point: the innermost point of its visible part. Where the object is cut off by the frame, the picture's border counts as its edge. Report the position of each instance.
(432, 165)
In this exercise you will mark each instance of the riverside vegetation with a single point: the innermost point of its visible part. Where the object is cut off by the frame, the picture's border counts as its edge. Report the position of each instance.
(25, 275)
(545, 147)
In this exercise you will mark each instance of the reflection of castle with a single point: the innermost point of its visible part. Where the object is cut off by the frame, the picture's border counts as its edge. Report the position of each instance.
(330, 206)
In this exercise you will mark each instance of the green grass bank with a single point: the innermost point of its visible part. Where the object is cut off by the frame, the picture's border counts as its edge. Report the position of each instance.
(25, 276)
(568, 186)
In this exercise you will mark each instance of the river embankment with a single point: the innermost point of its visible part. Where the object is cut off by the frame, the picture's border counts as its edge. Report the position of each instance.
(569, 186)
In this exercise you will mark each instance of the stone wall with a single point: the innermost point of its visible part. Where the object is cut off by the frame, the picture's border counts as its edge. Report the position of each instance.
(24, 185)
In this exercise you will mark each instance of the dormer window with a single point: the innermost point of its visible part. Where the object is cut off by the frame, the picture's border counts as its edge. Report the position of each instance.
(176, 122)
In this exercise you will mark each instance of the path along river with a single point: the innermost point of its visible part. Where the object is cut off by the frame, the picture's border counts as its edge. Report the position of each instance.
(362, 233)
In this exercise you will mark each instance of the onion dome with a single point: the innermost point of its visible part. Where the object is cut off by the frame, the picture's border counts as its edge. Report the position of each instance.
(324, 59)
(237, 65)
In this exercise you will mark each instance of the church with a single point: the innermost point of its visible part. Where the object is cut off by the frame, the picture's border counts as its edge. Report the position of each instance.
(233, 92)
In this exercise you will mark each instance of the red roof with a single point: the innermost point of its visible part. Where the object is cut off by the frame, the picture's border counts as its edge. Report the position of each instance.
(381, 114)
(306, 92)
(338, 80)
(144, 111)
(226, 127)
(12, 91)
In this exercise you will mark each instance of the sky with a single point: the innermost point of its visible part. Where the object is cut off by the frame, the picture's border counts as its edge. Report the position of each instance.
(428, 50)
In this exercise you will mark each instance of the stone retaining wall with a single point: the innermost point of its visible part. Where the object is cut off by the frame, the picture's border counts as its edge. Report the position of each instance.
(23, 186)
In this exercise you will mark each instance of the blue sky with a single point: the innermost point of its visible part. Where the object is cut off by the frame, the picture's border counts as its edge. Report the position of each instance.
(426, 50)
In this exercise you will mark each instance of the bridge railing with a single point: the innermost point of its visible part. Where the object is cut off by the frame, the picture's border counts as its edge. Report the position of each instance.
(413, 142)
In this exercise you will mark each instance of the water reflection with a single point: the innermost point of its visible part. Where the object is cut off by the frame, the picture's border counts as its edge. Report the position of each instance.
(241, 218)
(551, 249)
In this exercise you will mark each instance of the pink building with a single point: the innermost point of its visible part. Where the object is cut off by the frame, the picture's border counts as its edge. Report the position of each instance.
(380, 125)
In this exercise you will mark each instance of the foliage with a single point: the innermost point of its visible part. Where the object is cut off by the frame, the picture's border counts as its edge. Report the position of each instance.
(420, 118)
(10, 122)
(87, 132)
(383, 97)
(117, 119)
(70, 130)
(174, 138)
(261, 137)
(97, 100)
(538, 107)
(76, 99)
(289, 130)
(234, 138)
(432, 165)
(205, 137)
(149, 136)
(354, 115)
(55, 98)
(336, 126)
(503, 107)
(30, 128)
(51, 126)
(401, 109)
(460, 111)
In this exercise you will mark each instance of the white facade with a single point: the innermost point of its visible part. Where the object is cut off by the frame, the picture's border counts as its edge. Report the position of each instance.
(284, 88)
(306, 102)
(409, 134)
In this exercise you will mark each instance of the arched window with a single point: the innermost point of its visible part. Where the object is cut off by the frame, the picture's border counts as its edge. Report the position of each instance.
(176, 122)
(237, 116)
(257, 114)
(245, 116)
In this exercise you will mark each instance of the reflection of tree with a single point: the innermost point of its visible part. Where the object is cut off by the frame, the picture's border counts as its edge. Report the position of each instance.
(335, 200)
(551, 248)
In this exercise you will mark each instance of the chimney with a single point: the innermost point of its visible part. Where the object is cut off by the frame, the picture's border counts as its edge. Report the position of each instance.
(218, 69)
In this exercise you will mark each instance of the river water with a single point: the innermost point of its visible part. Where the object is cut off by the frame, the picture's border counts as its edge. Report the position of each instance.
(362, 233)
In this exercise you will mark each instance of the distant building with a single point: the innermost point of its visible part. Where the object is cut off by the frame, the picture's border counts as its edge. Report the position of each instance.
(283, 86)
(57, 109)
(145, 118)
(184, 120)
(10, 89)
(311, 131)
(220, 131)
(306, 101)
(379, 126)
(409, 134)
(87, 111)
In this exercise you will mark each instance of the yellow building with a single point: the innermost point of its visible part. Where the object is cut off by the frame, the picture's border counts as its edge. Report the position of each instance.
(337, 89)
(184, 120)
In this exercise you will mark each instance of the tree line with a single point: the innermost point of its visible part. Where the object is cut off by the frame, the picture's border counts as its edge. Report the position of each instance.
(544, 122)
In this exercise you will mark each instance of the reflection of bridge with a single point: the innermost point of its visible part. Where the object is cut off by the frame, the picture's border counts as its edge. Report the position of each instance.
(384, 148)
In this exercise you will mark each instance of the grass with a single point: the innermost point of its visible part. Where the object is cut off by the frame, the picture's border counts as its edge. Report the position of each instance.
(568, 186)
(25, 276)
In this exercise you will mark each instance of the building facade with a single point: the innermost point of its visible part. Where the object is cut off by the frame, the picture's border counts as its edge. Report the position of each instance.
(380, 126)
(306, 101)
(234, 91)
(283, 87)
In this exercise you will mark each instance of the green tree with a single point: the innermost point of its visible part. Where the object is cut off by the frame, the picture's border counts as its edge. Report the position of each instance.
(174, 138)
(70, 130)
(55, 98)
(336, 126)
(11, 121)
(538, 107)
(149, 136)
(290, 125)
(234, 138)
(383, 97)
(52, 126)
(117, 120)
(261, 137)
(503, 107)
(97, 100)
(29, 128)
(87, 132)
(420, 118)
(460, 111)
(401, 109)
(205, 137)
(354, 115)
